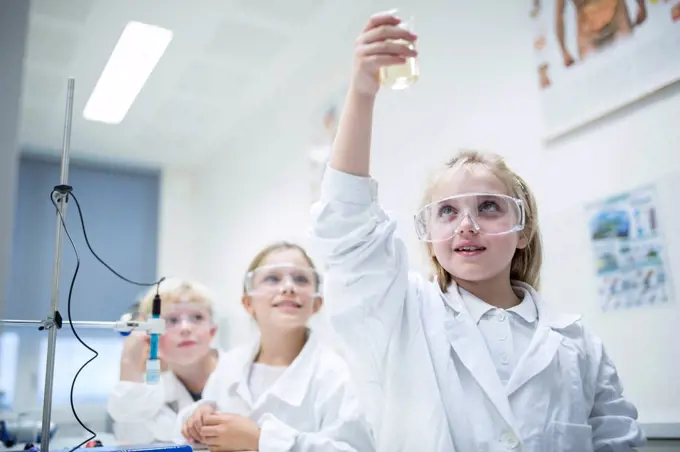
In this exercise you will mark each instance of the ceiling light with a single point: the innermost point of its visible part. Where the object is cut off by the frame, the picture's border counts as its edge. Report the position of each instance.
(135, 56)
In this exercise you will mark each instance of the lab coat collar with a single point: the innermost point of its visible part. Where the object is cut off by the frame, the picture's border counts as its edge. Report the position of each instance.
(468, 343)
(547, 316)
(527, 307)
(544, 344)
(290, 387)
(477, 307)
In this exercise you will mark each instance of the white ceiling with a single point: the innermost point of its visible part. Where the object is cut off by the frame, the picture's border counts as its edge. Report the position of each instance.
(228, 62)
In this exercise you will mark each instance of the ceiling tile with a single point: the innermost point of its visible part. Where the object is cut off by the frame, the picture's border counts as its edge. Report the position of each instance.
(237, 43)
(210, 82)
(75, 11)
(52, 45)
(42, 87)
(297, 12)
(184, 114)
(154, 138)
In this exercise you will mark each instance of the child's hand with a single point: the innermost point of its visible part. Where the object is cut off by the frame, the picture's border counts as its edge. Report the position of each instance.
(230, 431)
(134, 356)
(376, 48)
(192, 427)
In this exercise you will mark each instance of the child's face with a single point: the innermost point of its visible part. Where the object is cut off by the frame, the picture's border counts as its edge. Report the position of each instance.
(283, 292)
(494, 252)
(189, 331)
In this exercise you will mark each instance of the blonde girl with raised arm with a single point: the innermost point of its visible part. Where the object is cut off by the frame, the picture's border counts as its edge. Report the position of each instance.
(474, 359)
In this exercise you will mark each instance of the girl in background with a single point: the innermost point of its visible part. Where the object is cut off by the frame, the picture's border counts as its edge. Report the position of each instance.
(475, 359)
(285, 391)
(148, 413)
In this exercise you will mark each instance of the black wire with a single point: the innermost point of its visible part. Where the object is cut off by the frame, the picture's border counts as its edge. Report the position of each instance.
(70, 295)
(101, 261)
(75, 333)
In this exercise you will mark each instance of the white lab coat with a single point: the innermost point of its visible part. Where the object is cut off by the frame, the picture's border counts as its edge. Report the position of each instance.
(423, 359)
(145, 414)
(312, 406)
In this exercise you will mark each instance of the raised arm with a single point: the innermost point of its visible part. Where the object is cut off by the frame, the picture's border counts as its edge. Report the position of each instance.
(367, 268)
(375, 48)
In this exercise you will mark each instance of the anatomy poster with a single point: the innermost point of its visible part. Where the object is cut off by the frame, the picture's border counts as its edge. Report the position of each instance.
(628, 246)
(595, 56)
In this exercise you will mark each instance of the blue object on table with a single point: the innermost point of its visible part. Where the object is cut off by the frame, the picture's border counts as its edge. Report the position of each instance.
(144, 448)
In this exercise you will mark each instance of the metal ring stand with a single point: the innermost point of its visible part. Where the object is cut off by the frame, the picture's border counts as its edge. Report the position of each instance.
(53, 321)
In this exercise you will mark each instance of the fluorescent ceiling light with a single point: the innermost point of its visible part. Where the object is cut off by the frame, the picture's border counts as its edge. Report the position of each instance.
(139, 49)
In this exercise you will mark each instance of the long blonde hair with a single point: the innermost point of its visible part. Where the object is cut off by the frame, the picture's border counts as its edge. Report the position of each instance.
(526, 263)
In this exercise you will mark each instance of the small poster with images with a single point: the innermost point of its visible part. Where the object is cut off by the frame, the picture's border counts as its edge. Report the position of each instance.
(628, 246)
(593, 57)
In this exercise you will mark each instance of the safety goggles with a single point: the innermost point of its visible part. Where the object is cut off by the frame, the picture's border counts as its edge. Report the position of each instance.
(486, 213)
(185, 314)
(271, 279)
(197, 319)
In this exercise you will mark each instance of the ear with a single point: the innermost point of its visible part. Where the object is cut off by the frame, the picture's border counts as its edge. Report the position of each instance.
(318, 303)
(523, 242)
(247, 303)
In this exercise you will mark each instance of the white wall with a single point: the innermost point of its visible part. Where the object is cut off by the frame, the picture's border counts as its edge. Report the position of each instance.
(245, 205)
(177, 252)
(477, 89)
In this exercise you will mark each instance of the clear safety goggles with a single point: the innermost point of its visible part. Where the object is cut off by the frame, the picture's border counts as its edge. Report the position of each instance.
(271, 279)
(484, 213)
(193, 320)
(185, 314)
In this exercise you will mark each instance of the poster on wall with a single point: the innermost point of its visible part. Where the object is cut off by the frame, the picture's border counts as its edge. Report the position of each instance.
(595, 56)
(324, 126)
(628, 246)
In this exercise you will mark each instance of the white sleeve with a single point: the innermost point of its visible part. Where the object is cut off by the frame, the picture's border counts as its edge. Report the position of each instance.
(613, 418)
(366, 278)
(344, 427)
(140, 414)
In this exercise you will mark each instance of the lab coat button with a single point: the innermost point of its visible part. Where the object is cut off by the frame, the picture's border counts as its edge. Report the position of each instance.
(509, 440)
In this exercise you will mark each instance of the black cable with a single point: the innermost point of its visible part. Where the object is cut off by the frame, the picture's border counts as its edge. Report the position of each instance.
(70, 322)
(67, 191)
(101, 261)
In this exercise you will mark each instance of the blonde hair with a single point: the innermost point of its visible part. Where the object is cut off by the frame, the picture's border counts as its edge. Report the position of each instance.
(526, 263)
(172, 290)
(271, 248)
